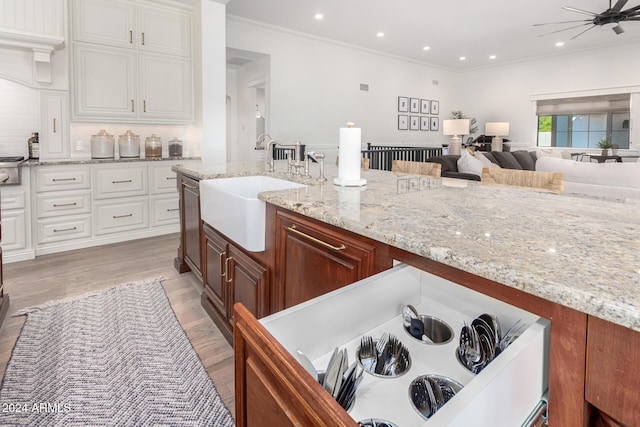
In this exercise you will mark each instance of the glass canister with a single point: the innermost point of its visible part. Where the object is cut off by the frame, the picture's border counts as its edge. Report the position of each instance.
(153, 147)
(102, 146)
(129, 145)
(175, 148)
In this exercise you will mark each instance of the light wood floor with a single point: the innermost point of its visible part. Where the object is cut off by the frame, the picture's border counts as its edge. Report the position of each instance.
(56, 276)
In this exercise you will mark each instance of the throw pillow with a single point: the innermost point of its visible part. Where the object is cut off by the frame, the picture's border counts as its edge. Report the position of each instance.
(486, 163)
(506, 160)
(524, 158)
(547, 152)
(469, 164)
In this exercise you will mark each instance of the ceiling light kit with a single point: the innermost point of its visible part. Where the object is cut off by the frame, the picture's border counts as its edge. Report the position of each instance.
(610, 18)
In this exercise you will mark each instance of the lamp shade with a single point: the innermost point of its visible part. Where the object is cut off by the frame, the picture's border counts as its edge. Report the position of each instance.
(496, 128)
(456, 127)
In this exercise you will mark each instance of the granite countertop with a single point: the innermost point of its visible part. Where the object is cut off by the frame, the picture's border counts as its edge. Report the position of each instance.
(580, 252)
(34, 163)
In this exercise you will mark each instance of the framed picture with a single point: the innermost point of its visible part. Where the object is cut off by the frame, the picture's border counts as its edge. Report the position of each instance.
(403, 122)
(403, 104)
(415, 105)
(424, 123)
(424, 106)
(435, 107)
(414, 123)
(435, 124)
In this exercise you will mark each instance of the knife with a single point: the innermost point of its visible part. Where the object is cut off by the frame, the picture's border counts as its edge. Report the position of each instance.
(331, 372)
(307, 364)
(342, 367)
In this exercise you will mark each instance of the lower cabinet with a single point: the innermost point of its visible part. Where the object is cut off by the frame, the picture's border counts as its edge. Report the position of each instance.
(231, 276)
(189, 252)
(313, 258)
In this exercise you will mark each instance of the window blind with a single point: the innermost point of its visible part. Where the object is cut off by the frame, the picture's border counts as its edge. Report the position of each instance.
(584, 105)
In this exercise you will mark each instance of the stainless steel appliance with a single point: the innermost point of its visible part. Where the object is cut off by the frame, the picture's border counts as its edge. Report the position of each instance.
(11, 166)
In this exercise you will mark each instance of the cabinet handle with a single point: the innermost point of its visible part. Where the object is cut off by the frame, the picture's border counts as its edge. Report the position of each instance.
(130, 37)
(173, 210)
(223, 270)
(65, 229)
(226, 268)
(143, 38)
(189, 186)
(133, 109)
(54, 125)
(144, 105)
(63, 179)
(122, 216)
(121, 182)
(64, 204)
(172, 177)
(318, 241)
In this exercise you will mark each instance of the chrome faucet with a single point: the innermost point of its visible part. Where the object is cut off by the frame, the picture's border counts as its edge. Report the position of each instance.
(316, 157)
(297, 162)
(260, 139)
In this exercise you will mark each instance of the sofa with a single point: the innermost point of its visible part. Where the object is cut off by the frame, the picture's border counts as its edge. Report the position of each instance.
(602, 180)
(470, 166)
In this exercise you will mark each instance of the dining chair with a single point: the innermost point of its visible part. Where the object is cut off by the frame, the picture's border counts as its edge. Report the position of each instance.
(433, 170)
(551, 182)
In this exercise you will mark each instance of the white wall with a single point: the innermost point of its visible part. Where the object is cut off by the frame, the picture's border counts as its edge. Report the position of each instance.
(315, 88)
(505, 93)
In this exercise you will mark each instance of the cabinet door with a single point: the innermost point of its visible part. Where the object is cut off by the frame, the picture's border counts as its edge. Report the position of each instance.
(54, 122)
(215, 279)
(249, 284)
(106, 22)
(192, 225)
(165, 87)
(104, 80)
(312, 259)
(164, 31)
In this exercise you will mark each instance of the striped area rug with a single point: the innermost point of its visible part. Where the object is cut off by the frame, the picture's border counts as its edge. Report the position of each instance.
(117, 357)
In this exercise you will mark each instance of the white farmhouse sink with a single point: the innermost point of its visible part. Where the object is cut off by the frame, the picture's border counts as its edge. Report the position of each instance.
(231, 206)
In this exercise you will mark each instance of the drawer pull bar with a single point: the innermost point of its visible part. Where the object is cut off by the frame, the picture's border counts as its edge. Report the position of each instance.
(130, 37)
(189, 186)
(121, 182)
(122, 216)
(143, 39)
(226, 268)
(54, 125)
(63, 179)
(144, 105)
(173, 210)
(223, 270)
(318, 241)
(65, 229)
(172, 177)
(64, 204)
(133, 109)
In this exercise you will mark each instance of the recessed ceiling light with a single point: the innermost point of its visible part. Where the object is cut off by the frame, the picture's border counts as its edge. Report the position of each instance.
(380, 34)
(492, 57)
(319, 16)
(559, 44)
(463, 58)
(426, 48)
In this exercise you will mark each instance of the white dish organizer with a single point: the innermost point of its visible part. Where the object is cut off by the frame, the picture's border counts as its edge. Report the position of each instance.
(505, 393)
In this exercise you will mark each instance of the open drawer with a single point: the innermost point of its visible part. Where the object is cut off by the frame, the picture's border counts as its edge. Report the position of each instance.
(506, 392)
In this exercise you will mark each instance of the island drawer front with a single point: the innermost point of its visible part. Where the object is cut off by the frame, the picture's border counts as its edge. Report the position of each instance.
(123, 215)
(120, 182)
(59, 229)
(63, 203)
(504, 393)
(62, 178)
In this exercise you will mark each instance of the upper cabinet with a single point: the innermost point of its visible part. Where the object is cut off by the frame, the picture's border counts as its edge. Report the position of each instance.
(132, 61)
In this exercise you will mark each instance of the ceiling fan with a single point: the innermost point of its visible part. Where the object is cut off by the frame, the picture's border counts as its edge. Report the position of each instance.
(609, 18)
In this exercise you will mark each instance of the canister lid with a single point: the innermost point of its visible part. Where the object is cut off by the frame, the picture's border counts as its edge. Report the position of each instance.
(103, 133)
(128, 134)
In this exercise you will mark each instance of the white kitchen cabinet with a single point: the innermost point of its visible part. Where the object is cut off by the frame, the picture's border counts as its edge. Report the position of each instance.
(16, 219)
(162, 178)
(164, 210)
(54, 125)
(55, 178)
(132, 62)
(117, 181)
(505, 393)
(120, 215)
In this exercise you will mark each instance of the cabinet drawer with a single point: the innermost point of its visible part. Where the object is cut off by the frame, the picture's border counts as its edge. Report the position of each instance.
(163, 179)
(165, 210)
(63, 203)
(504, 393)
(116, 216)
(14, 234)
(62, 178)
(12, 199)
(59, 229)
(120, 182)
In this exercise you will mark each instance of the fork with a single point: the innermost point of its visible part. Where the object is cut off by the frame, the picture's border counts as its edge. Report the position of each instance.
(368, 353)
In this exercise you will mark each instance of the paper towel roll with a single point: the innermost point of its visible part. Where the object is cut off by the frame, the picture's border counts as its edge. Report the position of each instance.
(349, 157)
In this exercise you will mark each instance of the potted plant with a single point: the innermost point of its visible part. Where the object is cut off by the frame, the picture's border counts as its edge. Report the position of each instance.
(614, 149)
(604, 145)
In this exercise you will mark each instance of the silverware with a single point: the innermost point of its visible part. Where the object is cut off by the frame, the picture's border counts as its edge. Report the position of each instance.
(307, 364)
(331, 372)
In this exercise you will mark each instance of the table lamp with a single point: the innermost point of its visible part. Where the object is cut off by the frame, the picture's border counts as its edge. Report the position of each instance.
(456, 128)
(498, 130)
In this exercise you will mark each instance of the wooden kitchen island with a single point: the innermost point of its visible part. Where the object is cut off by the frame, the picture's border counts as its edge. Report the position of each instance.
(541, 252)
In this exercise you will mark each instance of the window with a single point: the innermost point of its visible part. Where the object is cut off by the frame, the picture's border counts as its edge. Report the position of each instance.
(583, 122)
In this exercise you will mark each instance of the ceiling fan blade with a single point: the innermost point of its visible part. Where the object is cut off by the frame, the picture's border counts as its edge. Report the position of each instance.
(562, 22)
(631, 11)
(619, 5)
(585, 12)
(564, 29)
(582, 32)
(618, 29)
(634, 19)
